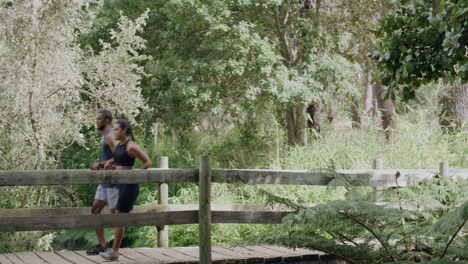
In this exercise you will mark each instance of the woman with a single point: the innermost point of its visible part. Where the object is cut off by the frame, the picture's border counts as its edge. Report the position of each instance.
(125, 153)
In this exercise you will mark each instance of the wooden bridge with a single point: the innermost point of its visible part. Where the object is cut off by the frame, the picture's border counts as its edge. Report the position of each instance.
(177, 255)
(203, 214)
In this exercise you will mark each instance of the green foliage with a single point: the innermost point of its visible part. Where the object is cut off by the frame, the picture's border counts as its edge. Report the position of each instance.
(418, 47)
(25, 241)
(225, 58)
(360, 231)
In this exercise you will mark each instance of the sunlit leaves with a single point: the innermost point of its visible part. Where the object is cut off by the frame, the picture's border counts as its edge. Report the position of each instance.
(418, 47)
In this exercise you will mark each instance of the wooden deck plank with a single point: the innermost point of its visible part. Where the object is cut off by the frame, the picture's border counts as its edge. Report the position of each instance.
(178, 255)
(286, 257)
(306, 254)
(92, 258)
(13, 258)
(181, 257)
(235, 257)
(4, 260)
(269, 258)
(194, 252)
(52, 257)
(74, 258)
(98, 259)
(156, 254)
(131, 253)
(30, 258)
(254, 257)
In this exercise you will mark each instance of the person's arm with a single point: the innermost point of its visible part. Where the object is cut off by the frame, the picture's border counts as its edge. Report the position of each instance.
(135, 151)
(95, 166)
(111, 141)
(109, 164)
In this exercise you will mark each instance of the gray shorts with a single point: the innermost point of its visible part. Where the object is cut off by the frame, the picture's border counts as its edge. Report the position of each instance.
(108, 195)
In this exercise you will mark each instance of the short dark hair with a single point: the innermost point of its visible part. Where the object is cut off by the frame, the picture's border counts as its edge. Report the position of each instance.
(107, 114)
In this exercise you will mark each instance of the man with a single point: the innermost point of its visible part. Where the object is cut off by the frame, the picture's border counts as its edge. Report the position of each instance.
(105, 193)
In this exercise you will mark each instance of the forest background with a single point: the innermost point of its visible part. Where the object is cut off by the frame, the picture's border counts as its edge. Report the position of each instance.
(272, 84)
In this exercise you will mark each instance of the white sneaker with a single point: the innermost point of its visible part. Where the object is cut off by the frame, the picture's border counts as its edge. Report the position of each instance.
(109, 255)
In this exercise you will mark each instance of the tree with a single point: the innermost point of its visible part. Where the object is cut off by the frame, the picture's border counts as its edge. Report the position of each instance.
(231, 59)
(50, 88)
(420, 45)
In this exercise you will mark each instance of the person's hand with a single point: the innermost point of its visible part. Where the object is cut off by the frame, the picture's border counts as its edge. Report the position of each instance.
(109, 165)
(95, 166)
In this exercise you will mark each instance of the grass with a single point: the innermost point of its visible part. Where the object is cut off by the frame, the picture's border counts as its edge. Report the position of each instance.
(412, 146)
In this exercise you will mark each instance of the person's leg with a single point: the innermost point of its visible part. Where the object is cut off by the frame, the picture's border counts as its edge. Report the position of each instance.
(127, 197)
(113, 201)
(100, 200)
(113, 253)
(98, 205)
(112, 198)
(118, 235)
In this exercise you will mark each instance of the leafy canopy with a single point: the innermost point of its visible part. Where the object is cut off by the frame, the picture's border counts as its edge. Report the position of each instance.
(419, 46)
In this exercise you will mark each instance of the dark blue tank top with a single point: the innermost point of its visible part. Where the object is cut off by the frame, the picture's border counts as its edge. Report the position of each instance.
(121, 156)
(106, 155)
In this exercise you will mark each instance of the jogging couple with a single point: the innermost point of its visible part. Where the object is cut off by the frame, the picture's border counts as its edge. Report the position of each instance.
(119, 152)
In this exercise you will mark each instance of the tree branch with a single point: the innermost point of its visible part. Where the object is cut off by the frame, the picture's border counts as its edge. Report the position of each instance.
(282, 37)
(56, 91)
(347, 239)
(19, 129)
(382, 242)
(453, 237)
(405, 234)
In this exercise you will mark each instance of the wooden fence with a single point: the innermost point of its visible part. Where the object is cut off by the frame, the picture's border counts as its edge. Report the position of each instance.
(204, 214)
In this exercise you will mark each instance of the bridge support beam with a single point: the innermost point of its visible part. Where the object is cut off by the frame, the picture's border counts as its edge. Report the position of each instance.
(163, 199)
(204, 216)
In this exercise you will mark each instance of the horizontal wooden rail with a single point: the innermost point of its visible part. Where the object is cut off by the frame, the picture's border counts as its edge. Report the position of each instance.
(158, 215)
(31, 212)
(323, 177)
(294, 177)
(13, 224)
(29, 219)
(71, 177)
(61, 222)
(247, 217)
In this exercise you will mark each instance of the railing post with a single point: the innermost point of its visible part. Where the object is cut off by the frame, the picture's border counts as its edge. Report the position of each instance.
(377, 165)
(163, 199)
(204, 214)
(444, 168)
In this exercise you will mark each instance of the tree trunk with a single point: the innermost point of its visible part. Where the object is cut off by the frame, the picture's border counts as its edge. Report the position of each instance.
(454, 107)
(369, 98)
(315, 116)
(296, 122)
(387, 107)
(330, 113)
(435, 6)
(355, 116)
(368, 93)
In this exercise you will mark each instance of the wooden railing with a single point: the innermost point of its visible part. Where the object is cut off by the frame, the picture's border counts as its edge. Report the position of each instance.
(204, 214)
